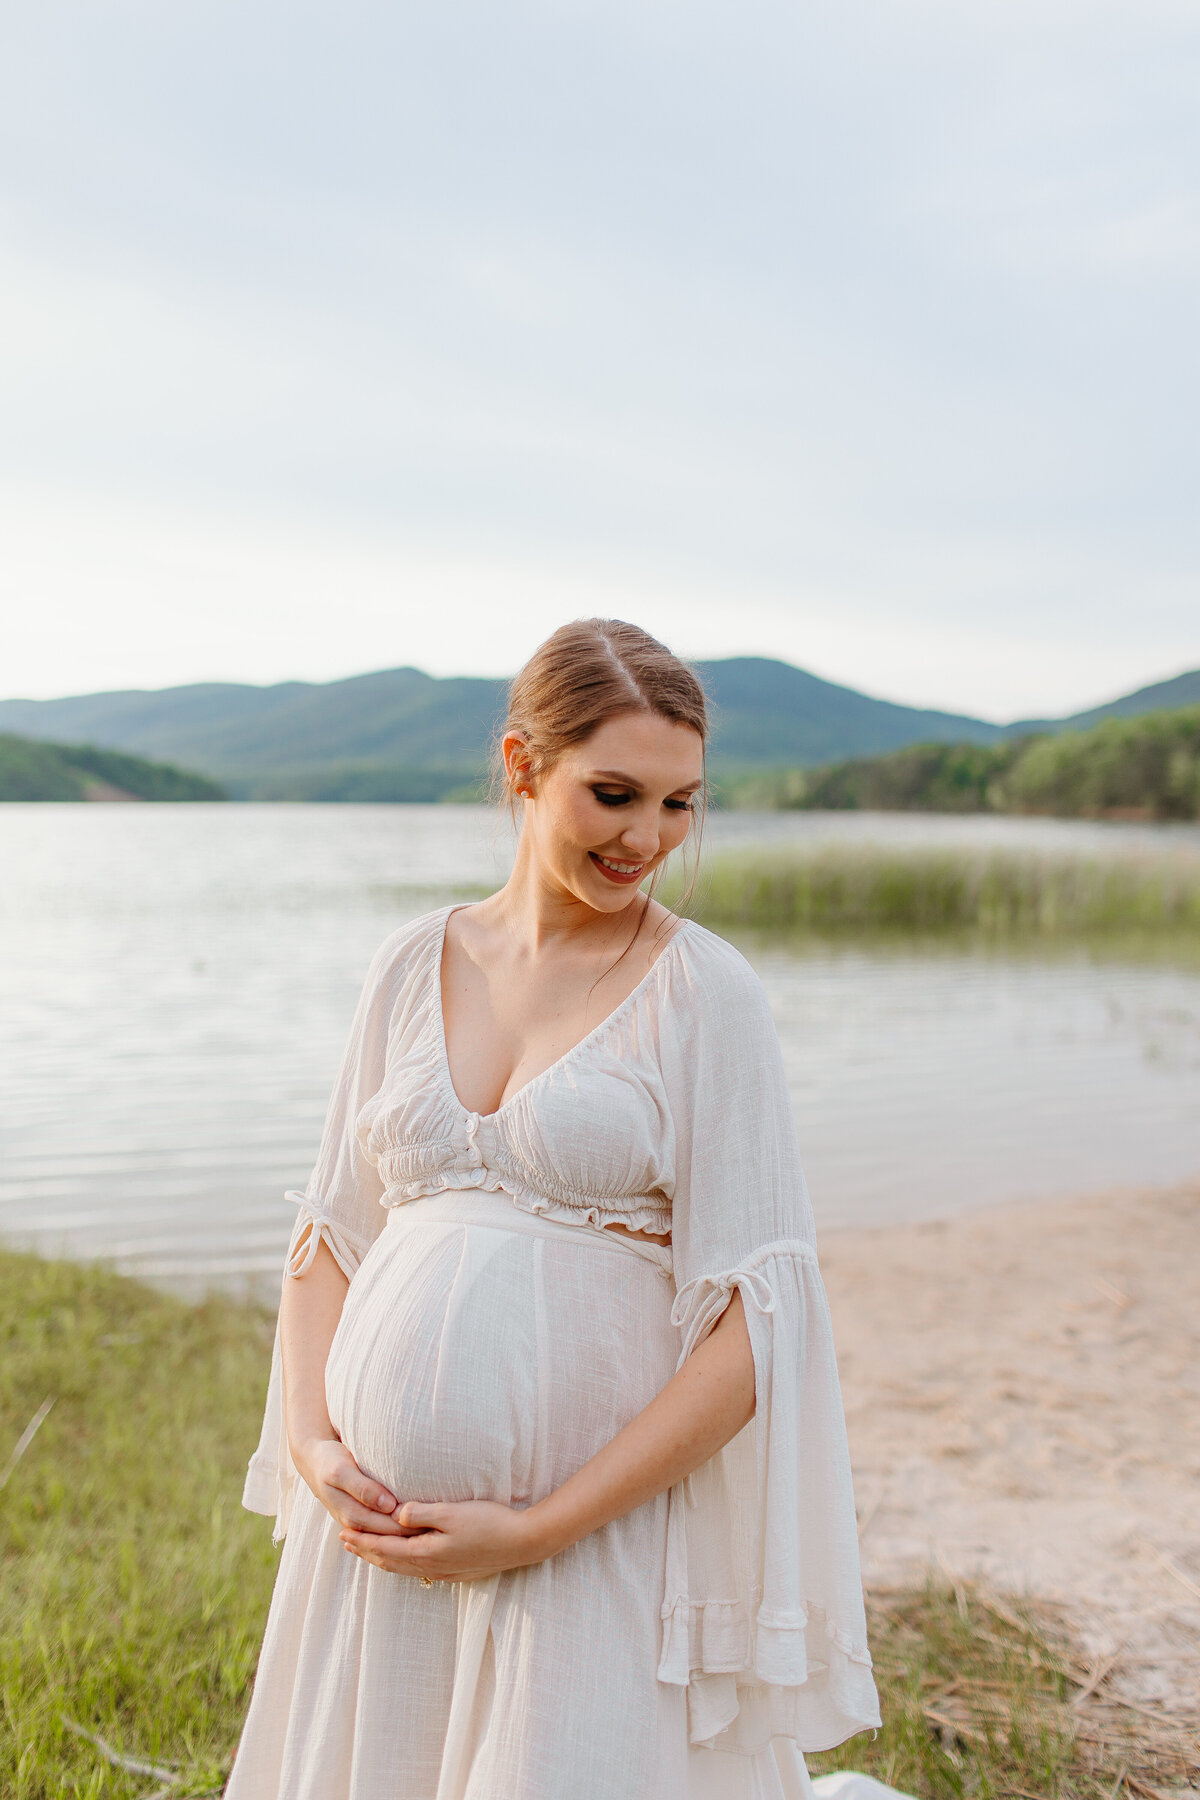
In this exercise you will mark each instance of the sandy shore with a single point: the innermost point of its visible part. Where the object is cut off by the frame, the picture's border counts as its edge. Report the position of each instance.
(1023, 1393)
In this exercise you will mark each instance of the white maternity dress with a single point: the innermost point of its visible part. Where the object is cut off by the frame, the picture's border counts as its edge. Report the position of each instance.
(494, 1337)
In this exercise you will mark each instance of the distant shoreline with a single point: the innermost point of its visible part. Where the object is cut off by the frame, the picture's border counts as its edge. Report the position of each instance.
(37, 772)
(399, 735)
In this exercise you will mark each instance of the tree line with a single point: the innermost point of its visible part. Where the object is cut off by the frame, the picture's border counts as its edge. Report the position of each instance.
(1147, 767)
(33, 770)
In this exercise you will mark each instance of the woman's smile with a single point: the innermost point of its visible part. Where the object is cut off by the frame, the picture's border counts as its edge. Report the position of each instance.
(622, 872)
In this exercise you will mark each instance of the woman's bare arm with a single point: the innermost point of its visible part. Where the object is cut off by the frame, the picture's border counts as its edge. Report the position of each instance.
(702, 1407)
(308, 1317)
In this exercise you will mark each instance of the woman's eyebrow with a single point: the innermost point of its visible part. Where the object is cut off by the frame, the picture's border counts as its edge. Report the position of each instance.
(685, 787)
(615, 775)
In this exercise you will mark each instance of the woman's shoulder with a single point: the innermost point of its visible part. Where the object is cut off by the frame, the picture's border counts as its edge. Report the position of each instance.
(716, 969)
(716, 1022)
(408, 949)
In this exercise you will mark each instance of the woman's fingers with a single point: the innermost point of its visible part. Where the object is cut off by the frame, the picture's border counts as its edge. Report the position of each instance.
(397, 1554)
(342, 1487)
(359, 1499)
(462, 1541)
(351, 1515)
(416, 1515)
(363, 1488)
(371, 1494)
(388, 1554)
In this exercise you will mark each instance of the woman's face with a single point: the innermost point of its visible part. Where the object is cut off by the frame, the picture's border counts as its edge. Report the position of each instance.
(614, 807)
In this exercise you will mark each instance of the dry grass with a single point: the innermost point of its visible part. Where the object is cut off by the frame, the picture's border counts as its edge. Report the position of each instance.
(987, 1697)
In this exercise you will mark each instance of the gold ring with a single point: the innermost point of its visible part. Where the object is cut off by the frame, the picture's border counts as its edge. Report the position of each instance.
(425, 1581)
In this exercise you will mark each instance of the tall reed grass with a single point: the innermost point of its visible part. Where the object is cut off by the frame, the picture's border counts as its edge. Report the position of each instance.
(876, 888)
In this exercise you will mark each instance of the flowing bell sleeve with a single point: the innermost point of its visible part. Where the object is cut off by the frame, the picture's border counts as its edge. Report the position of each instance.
(340, 1207)
(763, 1617)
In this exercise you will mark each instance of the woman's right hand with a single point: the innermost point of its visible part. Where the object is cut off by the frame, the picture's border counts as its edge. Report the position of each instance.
(354, 1499)
(308, 1319)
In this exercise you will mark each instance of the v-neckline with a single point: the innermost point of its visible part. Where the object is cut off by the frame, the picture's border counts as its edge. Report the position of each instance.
(439, 1017)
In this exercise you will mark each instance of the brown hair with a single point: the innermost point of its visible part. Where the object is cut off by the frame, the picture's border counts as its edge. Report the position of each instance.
(585, 673)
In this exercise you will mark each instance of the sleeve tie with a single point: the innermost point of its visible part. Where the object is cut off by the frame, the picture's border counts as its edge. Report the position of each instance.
(346, 1246)
(709, 1295)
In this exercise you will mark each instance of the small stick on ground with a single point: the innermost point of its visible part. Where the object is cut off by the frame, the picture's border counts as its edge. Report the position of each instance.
(134, 1765)
(1172, 1721)
(954, 1725)
(23, 1442)
(1166, 1562)
(1001, 1611)
(1140, 1787)
(1100, 1673)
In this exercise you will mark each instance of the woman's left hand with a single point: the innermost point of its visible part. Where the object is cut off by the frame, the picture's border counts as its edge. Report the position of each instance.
(462, 1540)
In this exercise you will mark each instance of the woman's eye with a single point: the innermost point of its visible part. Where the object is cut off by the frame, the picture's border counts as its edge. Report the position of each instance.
(622, 797)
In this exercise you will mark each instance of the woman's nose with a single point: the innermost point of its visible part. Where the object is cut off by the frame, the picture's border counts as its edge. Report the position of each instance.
(640, 837)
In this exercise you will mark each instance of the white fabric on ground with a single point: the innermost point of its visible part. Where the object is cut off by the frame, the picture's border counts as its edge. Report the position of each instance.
(493, 1338)
(847, 1785)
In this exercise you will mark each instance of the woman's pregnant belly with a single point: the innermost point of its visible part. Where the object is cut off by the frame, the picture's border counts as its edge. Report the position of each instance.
(476, 1362)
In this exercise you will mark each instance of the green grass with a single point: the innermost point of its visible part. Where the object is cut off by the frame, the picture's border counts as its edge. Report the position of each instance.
(1001, 894)
(134, 1585)
(135, 1588)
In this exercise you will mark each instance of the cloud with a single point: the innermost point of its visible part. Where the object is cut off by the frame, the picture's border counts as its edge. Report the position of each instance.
(866, 329)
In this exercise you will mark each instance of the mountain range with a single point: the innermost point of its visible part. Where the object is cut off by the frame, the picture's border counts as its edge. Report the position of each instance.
(399, 734)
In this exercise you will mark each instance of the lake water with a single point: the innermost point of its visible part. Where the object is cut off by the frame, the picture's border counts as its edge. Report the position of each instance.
(176, 983)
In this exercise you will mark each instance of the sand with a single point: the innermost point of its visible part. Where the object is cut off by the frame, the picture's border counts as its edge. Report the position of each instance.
(1023, 1394)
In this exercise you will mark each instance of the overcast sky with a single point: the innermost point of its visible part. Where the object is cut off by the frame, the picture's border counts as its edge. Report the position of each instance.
(862, 334)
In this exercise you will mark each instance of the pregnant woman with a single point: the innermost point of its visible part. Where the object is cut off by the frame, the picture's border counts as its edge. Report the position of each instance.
(554, 1427)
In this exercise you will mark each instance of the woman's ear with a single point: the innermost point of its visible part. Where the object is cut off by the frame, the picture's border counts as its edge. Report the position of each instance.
(516, 766)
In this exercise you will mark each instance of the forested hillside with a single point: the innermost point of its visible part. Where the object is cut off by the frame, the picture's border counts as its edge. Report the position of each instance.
(39, 771)
(1137, 768)
(399, 734)
(1160, 696)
